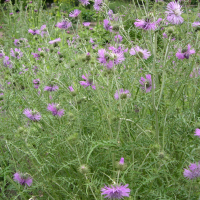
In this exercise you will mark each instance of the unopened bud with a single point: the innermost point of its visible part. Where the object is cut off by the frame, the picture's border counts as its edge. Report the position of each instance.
(115, 27)
(88, 56)
(121, 165)
(83, 169)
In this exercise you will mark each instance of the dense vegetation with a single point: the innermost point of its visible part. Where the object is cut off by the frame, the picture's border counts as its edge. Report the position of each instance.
(98, 95)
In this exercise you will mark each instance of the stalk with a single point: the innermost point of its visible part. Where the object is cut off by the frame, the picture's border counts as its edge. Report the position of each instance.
(155, 109)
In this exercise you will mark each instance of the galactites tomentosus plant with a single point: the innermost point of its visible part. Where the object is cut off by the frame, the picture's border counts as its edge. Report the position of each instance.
(99, 110)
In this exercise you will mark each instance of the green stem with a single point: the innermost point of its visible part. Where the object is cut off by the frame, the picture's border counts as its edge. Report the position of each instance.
(153, 89)
(164, 72)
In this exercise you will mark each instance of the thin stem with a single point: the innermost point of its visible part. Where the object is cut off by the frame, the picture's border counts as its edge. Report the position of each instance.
(153, 89)
(164, 72)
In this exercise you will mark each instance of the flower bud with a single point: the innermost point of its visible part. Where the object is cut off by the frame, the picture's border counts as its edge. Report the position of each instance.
(115, 27)
(83, 169)
(88, 56)
(121, 165)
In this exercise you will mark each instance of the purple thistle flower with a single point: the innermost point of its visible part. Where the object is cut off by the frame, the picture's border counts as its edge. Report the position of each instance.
(16, 54)
(116, 192)
(34, 32)
(197, 132)
(196, 24)
(113, 57)
(110, 14)
(91, 40)
(88, 82)
(43, 30)
(193, 172)
(185, 53)
(1, 55)
(74, 13)
(19, 42)
(32, 115)
(36, 83)
(23, 179)
(86, 23)
(7, 62)
(64, 24)
(143, 53)
(71, 89)
(54, 108)
(36, 56)
(106, 25)
(51, 88)
(84, 2)
(98, 4)
(146, 24)
(165, 35)
(118, 38)
(122, 94)
(55, 41)
(174, 13)
(146, 83)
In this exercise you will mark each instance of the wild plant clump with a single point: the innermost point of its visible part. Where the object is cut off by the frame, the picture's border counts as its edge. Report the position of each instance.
(100, 109)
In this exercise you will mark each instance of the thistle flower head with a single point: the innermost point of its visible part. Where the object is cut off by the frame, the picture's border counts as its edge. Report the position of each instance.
(32, 114)
(116, 191)
(74, 13)
(84, 2)
(23, 179)
(64, 24)
(142, 53)
(55, 110)
(174, 13)
(185, 53)
(122, 94)
(193, 171)
(146, 83)
(98, 4)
